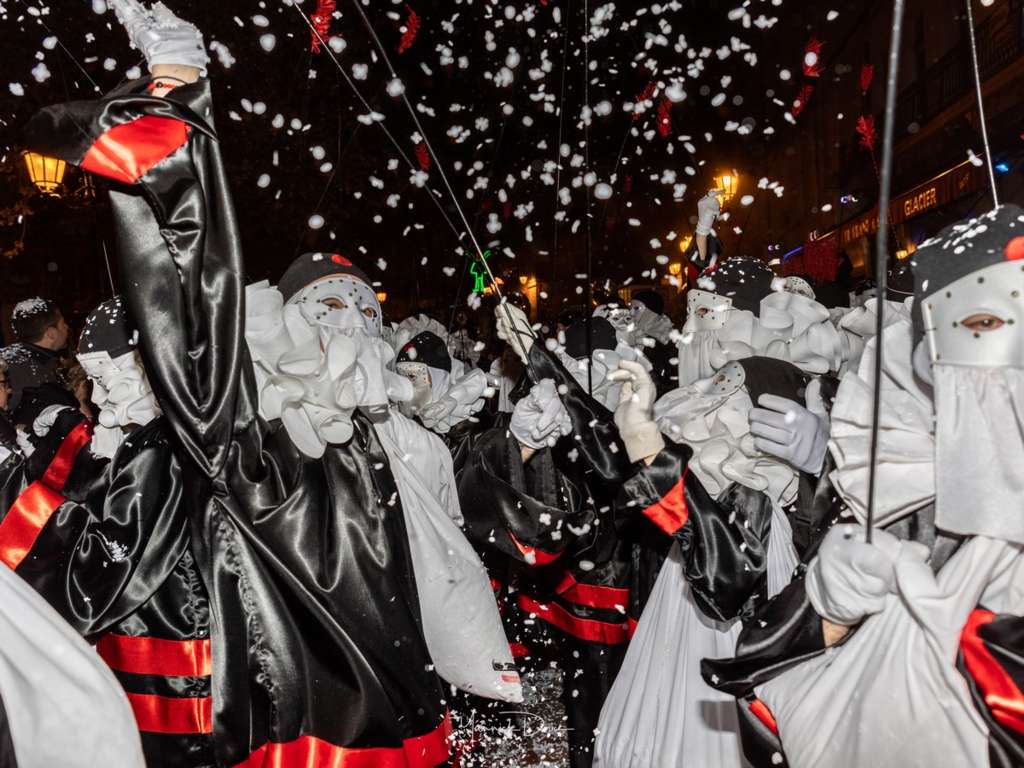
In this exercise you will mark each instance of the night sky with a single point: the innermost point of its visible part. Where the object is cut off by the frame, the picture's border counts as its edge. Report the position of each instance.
(494, 85)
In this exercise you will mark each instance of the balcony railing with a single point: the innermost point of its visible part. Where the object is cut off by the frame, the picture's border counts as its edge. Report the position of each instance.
(999, 42)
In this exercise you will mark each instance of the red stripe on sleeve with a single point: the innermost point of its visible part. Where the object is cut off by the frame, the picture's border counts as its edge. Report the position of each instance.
(760, 710)
(36, 504)
(532, 555)
(670, 512)
(153, 656)
(1001, 694)
(126, 152)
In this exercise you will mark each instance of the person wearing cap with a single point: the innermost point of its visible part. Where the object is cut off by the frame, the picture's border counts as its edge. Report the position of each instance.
(34, 362)
(924, 638)
(318, 651)
(110, 543)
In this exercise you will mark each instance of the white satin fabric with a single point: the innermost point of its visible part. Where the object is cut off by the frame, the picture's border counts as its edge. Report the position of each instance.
(717, 428)
(660, 713)
(442, 399)
(905, 478)
(64, 706)
(315, 365)
(979, 451)
(891, 696)
(857, 325)
(121, 391)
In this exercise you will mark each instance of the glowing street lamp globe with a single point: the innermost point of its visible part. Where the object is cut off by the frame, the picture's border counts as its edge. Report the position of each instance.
(47, 173)
(729, 183)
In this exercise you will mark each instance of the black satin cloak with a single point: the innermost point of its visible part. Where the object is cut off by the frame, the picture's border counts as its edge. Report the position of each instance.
(113, 561)
(317, 648)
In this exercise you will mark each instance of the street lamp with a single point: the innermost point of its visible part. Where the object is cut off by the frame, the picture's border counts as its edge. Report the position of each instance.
(46, 173)
(729, 183)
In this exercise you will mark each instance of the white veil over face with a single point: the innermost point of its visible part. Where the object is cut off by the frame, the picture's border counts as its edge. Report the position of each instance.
(711, 416)
(319, 357)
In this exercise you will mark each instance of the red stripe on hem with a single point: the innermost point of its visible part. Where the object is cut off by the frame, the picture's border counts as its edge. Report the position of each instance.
(532, 555)
(153, 656)
(164, 714)
(128, 151)
(592, 595)
(760, 710)
(1002, 696)
(670, 512)
(591, 630)
(425, 751)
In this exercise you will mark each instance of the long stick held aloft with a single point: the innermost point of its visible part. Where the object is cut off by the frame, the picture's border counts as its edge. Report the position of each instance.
(882, 243)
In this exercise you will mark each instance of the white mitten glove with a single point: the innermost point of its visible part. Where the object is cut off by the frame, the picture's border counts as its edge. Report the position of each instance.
(540, 418)
(793, 433)
(850, 579)
(24, 443)
(47, 418)
(514, 329)
(708, 208)
(162, 37)
(634, 415)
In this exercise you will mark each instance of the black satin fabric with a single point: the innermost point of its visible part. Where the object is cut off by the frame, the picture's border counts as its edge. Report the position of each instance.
(97, 561)
(1004, 640)
(724, 541)
(781, 634)
(316, 625)
(593, 455)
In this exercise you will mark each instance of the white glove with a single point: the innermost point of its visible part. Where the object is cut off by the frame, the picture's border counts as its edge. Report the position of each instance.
(708, 208)
(634, 414)
(162, 37)
(850, 579)
(793, 433)
(514, 329)
(540, 418)
(24, 443)
(47, 418)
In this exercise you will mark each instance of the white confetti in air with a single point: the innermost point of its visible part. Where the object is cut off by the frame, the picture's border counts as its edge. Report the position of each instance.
(337, 44)
(134, 73)
(746, 199)
(99, 6)
(603, 191)
(263, 181)
(832, 16)
(268, 42)
(16, 89)
(396, 88)
(975, 160)
(49, 43)
(785, 74)
(41, 72)
(360, 71)
(316, 221)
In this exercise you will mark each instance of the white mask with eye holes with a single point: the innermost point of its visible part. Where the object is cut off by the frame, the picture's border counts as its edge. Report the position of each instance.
(973, 339)
(340, 303)
(122, 393)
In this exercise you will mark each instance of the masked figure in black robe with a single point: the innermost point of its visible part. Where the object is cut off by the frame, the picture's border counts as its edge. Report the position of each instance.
(317, 651)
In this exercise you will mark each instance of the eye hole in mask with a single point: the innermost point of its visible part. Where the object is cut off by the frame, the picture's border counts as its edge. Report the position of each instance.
(982, 321)
(335, 303)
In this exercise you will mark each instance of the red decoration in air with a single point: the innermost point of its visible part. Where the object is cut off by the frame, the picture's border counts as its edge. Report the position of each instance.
(664, 118)
(1015, 249)
(819, 260)
(801, 100)
(337, 258)
(866, 130)
(812, 58)
(423, 156)
(645, 95)
(867, 72)
(321, 19)
(412, 28)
